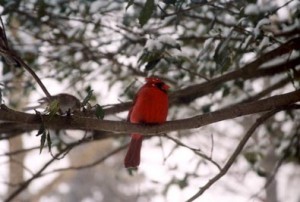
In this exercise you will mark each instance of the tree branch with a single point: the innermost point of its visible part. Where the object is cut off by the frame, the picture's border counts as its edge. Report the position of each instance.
(268, 90)
(7, 52)
(196, 151)
(89, 165)
(250, 70)
(25, 184)
(40, 173)
(83, 123)
(235, 154)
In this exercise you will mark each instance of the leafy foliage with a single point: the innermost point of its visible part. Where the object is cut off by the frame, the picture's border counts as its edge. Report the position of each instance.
(88, 97)
(99, 112)
(213, 54)
(45, 138)
(146, 12)
(53, 108)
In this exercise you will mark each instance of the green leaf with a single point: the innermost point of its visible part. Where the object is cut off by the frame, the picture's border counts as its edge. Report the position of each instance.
(130, 2)
(251, 157)
(53, 108)
(9, 6)
(146, 12)
(41, 8)
(88, 97)
(127, 90)
(41, 130)
(99, 112)
(131, 171)
(223, 54)
(182, 183)
(172, 46)
(49, 142)
(152, 58)
(206, 108)
(226, 91)
(239, 83)
(169, 1)
(262, 173)
(43, 140)
(151, 64)
(291, 115)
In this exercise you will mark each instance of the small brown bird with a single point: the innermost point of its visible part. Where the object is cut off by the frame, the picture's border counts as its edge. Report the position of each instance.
(66, 103)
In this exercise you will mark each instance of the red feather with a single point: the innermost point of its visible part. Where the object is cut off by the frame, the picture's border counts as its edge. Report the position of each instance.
(150, 107)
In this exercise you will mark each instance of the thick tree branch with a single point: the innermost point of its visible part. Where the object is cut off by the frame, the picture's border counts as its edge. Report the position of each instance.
(275, 69)
(250, 70)
(83, 123)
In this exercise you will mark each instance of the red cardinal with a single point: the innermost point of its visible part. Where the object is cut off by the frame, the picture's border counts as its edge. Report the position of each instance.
(150, 107)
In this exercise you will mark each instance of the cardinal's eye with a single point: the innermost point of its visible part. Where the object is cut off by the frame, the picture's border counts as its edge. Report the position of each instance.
(159, 85)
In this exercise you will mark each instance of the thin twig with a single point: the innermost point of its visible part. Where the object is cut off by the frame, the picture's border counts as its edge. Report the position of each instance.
(212, 145)
(98, 161)
(13, 160)
(7, 52)
(271, 176)
(40, 173)
(196, 151)
(25, 184)
(11, 153)
(235, 154)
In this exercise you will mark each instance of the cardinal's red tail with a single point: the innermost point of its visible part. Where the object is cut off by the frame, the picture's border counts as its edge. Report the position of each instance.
(132, 158)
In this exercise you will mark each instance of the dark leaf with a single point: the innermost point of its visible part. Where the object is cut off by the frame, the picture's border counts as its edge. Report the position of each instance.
(59, 146)
(169, 1)
(131, 171)
(151, 64)
(291, 114)
(130, 2)
(199, 1)
(43, 140)
(128, 90)
(88, 97)
(222, 54)
(41, 130)
(152, 57)
(178, 47)
(182, 183)
(41, 8)
(251, 157)
(146, 12)
(206, 108)
(49, 142)
(171, 46)
(226, 91)
(99, 112)
(239, 83)
(8, 6)
(261, 173)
